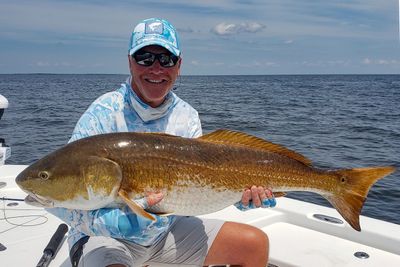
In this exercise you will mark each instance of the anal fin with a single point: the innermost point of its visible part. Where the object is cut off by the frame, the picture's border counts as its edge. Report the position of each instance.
(279, 194)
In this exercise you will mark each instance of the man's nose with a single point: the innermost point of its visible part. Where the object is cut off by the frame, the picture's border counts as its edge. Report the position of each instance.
(156, 67)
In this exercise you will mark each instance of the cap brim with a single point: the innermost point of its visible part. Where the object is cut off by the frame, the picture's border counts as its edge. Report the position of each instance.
(158, 42)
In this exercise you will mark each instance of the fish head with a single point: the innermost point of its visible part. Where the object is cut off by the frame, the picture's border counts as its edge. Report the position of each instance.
(56, 177)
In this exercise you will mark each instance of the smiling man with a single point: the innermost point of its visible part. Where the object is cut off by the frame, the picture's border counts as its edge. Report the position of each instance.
(152, 81)
(145, 103)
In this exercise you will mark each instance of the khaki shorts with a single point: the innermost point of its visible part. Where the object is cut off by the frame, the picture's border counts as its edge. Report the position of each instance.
(186, 244)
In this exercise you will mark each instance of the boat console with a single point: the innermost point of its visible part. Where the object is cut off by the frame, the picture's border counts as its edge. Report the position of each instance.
(5, 151)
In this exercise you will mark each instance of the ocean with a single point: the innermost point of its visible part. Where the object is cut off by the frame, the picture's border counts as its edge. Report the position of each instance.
(338, 121)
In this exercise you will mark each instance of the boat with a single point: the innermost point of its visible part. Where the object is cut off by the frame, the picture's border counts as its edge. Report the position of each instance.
(300, 233)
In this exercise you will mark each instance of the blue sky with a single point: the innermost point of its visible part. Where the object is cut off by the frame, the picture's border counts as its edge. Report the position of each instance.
(217, 37)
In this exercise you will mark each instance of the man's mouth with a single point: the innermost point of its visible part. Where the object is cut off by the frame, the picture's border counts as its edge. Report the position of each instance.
(155, 81)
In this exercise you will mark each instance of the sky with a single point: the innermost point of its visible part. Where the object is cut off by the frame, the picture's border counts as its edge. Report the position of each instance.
(238, 37)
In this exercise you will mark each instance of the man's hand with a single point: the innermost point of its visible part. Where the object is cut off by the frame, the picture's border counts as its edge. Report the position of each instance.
(151, 199)
(154, 198)
(256, 197)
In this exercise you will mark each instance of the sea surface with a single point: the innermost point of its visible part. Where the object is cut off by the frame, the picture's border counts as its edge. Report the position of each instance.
(338, 121)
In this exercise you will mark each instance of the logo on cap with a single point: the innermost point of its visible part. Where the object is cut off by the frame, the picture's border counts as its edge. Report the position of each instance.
(154, 32)
(154, 28)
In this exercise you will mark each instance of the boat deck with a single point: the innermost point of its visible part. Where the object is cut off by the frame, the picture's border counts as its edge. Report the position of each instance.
(297, 237)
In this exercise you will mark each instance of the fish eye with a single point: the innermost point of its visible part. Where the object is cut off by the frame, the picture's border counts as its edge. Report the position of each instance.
(44, 175)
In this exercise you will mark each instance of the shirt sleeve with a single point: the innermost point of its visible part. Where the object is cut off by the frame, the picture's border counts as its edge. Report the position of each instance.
(87, 125)
(194, 127)
(99, 117)
(112, 222)
(196, 130)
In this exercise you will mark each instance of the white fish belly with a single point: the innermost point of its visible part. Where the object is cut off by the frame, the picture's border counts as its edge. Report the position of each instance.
(195, 200)
(96, 200)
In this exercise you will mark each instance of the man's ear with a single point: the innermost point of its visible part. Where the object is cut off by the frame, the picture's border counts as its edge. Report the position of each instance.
(179, 62)
(129, 61)
(179, 65)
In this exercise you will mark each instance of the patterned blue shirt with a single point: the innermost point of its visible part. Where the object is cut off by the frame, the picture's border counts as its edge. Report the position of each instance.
(123, 111)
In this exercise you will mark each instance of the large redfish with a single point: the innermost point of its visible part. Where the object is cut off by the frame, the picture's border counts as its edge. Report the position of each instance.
(197, 176)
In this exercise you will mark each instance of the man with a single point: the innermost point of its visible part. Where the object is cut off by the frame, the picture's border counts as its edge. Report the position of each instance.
(145, 103)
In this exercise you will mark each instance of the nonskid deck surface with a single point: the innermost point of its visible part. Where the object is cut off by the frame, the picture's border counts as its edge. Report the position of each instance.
(297, 236)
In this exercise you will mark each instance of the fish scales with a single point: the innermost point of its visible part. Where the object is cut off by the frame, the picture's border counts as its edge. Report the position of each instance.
(196, 176)
(221, 171)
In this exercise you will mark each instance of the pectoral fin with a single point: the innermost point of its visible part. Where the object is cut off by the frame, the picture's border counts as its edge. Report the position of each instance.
(135, 207)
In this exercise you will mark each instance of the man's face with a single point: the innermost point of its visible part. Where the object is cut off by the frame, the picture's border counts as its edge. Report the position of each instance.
(152, 83)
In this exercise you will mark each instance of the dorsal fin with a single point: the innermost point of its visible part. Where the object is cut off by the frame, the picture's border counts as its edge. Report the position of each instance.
(223, 136)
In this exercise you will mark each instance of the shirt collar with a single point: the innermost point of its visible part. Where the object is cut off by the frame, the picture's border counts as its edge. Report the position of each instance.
(145, 111)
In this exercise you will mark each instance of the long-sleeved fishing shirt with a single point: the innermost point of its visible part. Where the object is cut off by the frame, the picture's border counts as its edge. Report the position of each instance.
(123, 111)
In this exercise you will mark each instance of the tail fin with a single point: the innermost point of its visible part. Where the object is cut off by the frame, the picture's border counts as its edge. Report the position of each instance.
(349, 201)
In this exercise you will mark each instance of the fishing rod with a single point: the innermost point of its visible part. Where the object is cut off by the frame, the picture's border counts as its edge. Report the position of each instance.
(11, 199)
(53, 246)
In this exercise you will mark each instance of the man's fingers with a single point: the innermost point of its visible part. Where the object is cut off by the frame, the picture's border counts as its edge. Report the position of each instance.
(255, 198)
(246, 196)
(262, 193)
(269, 201)
(268, 193)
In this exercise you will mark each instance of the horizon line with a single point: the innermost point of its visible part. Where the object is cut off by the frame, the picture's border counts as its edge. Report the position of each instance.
(269, 74)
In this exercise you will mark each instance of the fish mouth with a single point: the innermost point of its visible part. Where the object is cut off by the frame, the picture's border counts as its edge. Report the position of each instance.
(38, 201)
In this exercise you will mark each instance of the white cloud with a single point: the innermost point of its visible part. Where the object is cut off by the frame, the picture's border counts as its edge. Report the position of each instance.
(338, 62)
(42, 64)
(232, 28)
(288, 41)
(256, 64)
(368, 61)
(270, 64)
(52, 64)
(324, 63)
(383, 62)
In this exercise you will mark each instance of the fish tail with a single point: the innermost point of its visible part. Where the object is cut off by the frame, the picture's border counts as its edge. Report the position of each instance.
(357, 182)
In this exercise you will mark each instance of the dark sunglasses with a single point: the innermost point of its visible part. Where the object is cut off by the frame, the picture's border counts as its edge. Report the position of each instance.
(147, 59)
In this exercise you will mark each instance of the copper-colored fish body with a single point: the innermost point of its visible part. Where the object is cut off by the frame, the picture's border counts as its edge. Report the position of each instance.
(197, 176)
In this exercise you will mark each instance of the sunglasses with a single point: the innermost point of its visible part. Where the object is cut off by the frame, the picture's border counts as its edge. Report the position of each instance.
(147, 59)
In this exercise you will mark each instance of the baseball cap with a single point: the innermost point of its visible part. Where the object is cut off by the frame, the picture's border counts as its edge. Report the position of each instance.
(154, 31)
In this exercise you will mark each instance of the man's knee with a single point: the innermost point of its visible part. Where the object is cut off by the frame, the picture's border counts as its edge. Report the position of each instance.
(254, 240)
(241, 244)
(247, 238)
